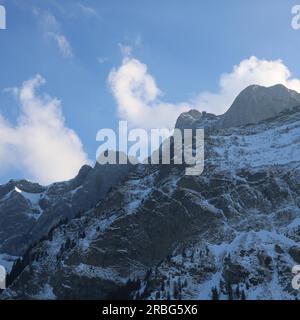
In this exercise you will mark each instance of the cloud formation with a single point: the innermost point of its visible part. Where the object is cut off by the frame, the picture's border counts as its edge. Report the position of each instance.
(87, 11)
(138, 96)
(52, 30)
(62, 44)
(40, 144)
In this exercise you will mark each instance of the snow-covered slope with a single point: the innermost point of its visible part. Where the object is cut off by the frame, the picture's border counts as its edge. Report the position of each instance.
(28, 211)
(272, 142)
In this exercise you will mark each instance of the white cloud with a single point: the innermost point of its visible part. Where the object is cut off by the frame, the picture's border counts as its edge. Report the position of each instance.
(40, 144)
(62, 43)
(137, 94)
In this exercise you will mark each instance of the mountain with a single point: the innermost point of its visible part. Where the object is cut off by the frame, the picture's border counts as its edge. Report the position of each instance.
(254, 104)
(194, 119)
(28, 210)
(257, 103)
(231, 233)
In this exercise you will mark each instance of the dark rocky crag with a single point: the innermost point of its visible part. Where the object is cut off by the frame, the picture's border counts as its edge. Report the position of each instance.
(28, 211)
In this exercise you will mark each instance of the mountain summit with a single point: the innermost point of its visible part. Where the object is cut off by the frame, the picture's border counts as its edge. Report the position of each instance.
(257, 103)
(254, 104)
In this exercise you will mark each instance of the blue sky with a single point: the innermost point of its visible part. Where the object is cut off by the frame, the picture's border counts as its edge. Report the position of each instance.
(185, 47)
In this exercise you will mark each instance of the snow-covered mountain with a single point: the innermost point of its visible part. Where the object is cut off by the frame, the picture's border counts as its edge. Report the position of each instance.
(28, 211)
(232, 232)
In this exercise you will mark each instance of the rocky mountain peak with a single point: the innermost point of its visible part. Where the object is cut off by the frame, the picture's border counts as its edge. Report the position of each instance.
(257, 103)
(194, 119)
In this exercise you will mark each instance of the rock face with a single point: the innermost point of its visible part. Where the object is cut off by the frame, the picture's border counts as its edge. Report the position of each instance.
(28, 210)
(194, 119)
(257, 103)
(231, 233)
(252, 105)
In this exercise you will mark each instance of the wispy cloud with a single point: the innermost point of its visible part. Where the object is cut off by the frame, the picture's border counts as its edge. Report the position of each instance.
(62, 43)
(52, 30)
(87, 11)
(103, 60)
(129, 44)
(126, 50)
(40, 144)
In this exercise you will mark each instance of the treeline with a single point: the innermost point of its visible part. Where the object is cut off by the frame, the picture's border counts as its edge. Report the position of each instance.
(29, 257)
(237, 294)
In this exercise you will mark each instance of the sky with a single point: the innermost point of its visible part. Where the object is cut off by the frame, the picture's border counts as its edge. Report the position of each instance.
(69, 68)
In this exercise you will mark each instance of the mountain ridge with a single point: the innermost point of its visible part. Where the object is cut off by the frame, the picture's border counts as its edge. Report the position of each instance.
(254, 104)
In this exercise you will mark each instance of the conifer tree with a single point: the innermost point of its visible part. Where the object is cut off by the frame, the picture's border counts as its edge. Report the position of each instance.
(243, 296)
(214, 294)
